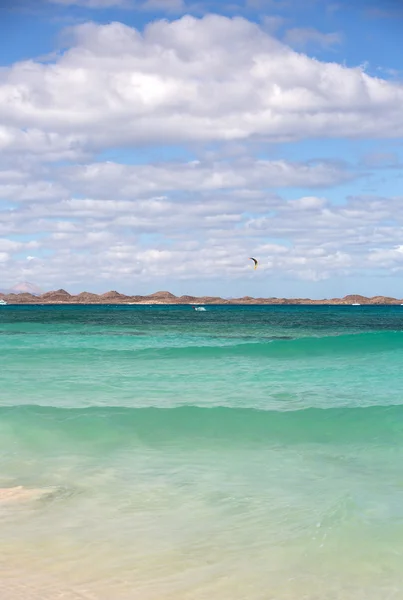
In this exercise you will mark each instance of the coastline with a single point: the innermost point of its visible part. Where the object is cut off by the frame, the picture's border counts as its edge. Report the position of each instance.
(162, 298)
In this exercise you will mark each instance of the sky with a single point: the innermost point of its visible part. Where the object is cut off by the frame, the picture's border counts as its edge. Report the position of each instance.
(158, 144)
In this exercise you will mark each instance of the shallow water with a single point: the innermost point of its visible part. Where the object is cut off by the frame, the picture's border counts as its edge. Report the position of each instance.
(237, 453)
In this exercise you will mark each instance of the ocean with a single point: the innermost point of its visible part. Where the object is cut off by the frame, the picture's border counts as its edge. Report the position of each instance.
(241, 453)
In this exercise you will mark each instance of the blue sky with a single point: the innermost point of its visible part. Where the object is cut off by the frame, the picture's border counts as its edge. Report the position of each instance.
(157, 144)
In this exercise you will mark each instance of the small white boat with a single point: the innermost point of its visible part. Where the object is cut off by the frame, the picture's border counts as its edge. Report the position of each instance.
(199, 308)
(356, 304)
(3, 302)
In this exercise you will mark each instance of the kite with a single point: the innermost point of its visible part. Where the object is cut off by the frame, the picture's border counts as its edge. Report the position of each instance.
(255, 261)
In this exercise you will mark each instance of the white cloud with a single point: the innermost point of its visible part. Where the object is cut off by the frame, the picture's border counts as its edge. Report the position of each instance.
(268, 4)
(30, 191)
(381, 160)
(356, 226)
(196, 234)
(91, 3)
(164, 5)
(111, 179)
(301, 37)
(9, 245)
(27, 144)
(147, 5)
(273, 23)
(188, 80)
(197, 214)
(308, 203)
(388, 257)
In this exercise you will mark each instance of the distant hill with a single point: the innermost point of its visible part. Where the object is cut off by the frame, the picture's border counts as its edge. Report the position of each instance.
(25, 287)
(163, 297)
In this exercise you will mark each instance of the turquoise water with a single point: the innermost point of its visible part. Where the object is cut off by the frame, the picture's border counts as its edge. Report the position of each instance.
(238, 453)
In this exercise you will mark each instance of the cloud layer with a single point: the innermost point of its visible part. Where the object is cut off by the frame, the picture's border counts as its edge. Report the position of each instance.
(70, 216)
(191, 230)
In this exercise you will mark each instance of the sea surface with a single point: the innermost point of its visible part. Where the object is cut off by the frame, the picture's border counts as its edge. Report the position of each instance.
(240, 453)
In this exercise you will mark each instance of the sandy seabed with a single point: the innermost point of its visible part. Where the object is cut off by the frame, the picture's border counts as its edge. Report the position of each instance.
(37, 572)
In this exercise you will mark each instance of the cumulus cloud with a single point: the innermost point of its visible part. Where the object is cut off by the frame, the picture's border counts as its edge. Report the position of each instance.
(192, 79)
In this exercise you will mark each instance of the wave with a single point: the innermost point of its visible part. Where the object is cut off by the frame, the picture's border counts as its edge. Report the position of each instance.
(343, 345)
(194, 426)
(276, 347)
